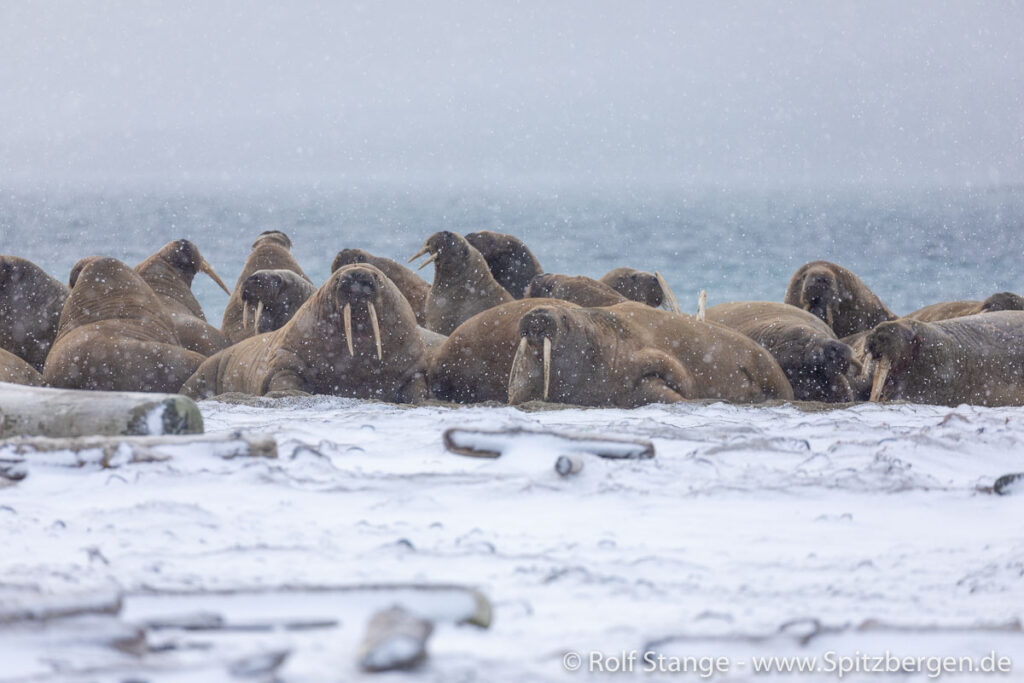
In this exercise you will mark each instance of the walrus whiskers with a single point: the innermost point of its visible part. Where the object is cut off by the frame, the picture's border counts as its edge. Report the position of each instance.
(547, 366)
(346, 314)
(376, 329)
(259, 314)
(670, 298)
(205, 267)
(881, 374)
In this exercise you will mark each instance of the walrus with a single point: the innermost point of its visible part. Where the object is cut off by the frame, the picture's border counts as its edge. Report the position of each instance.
(977, 359)
(17, 371)
(510, 261)
(77, 268)
(579, 289)
(30, 306)
(169, 273)
(473, 364)
(1003, 301)
(463, 285)
(270, 251)
(115, 336)
(815, 362)
(635, 285)
(837, 296)
(276, 295)
(355, 337)
(409, 283)
(631, 354)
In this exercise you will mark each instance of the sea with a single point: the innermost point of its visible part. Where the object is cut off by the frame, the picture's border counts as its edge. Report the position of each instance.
(913, 247)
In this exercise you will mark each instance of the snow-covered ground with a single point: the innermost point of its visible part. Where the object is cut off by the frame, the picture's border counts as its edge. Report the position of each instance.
(753, 531)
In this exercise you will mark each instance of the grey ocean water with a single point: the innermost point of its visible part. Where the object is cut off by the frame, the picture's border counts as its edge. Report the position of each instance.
(911, 247)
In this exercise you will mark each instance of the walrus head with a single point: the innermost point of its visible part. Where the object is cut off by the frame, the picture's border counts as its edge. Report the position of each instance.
(273, 236)
(820, 293)
(893, 347)
(347, 257)
(360, 292)
(184, 256)
(271, 298)
(76, 269)
(1003, 301)
(448, 251)
(636, 285)
(540, 331)
(828, 365)
(511, 262)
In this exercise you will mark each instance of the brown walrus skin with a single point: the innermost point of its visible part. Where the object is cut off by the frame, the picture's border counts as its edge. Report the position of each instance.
(511, 262)
(837, 296)
(1003, 301)
(316, 352)
(270, 251)
(463, 285)
(276, 296)
(977, 359)
(409, 283)
(631, 354)
(30, 306)
(473, 364)
(77, 268)
(635, 285)
(579, 289)
(169, 273)
(114, 336)
(16, 371)
(815, 362)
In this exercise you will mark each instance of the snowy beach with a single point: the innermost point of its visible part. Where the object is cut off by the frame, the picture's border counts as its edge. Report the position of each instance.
(753, 529)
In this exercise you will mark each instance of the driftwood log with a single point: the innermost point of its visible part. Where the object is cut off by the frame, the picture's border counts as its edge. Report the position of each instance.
(39, 411)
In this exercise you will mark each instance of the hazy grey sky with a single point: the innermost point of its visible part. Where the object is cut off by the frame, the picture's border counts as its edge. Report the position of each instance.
(745, 93)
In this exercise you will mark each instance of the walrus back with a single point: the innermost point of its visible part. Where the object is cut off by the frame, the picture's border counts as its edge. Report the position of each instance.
(242, 368)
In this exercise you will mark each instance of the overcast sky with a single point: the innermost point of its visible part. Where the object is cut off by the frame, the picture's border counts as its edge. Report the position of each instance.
(800, 93)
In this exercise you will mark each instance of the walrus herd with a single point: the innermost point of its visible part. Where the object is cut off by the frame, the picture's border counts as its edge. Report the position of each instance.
(492, 326)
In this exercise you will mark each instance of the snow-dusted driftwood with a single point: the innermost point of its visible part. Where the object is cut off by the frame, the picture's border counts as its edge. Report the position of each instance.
(28, 605)
(394, 639)
(480, 443)
(39, 411)
(116, 451)
(567, 465)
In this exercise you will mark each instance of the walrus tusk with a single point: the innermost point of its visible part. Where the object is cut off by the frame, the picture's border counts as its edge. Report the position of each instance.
(828, 315)
(670, 297)
(205, 267)
(427, 262)
(702, 305)
(419, 253)
(346, 314)
(259, 314)
(518, 358)
(376, 329)
(881, 374)
(245, 316)
(547, 366)
(807, 307)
